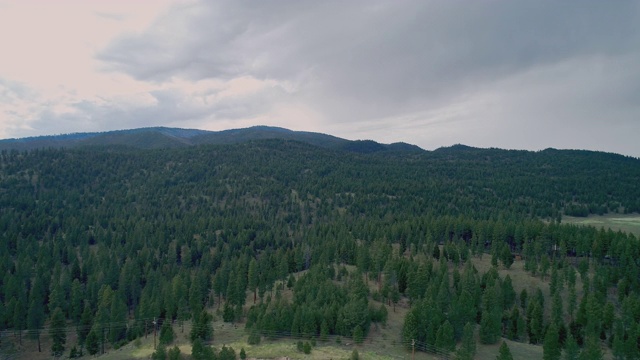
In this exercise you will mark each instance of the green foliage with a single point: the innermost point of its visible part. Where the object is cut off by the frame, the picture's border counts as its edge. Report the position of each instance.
(467, 350)
(504, 353)
(174, 353)
(490, 327)
(524, 295)
(506, 257)
(74, 353)
(35, 317)
(324, 330)
(571, 349)
(535, 322)
(128, 236)
(201, 352)
(444, 337)
(592, 349)
(306, 348)
(551, 346)
(243, 354)
(379, 315)
(160, 353)
(57, 332)
(202, 328)
(355, 355)
(291, 281)
(358, 335)
(254, 337)
(508, 293)
(92, 342)
(228, 314)
(166, 333)
(226, 353)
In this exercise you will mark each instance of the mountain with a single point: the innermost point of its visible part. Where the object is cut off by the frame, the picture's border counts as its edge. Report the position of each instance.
(163, 137)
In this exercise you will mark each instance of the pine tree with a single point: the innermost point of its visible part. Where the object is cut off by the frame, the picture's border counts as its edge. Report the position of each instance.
(355, 355)
(410, 328)
(35, 319)
(504, 353)
(103, 314)
(202, 328)
(505, 256)
(467, 349)
(571, 349)
(523, 299)
(57, 333)
(19, 318)
(545, 264)
(618, 341)
(166, 333)
(92, 343)
(594, 315)
(536, 323)
(254, 337)
(180, 294)
(117, 319)
(296, 323)
(160, 353)
(306, 347)
(592, 350)
(201, 352)
(252, 278)
(76, 304)
(551, 346)
(631, 343)
(174, 353)
(508, 293)
(85, 324)
(358, 334)
(557, 309)
(324, 330)
(444, 338)
(489, 327)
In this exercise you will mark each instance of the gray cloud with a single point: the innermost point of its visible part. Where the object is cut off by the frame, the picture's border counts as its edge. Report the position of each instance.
(429, 72)
(160, 107)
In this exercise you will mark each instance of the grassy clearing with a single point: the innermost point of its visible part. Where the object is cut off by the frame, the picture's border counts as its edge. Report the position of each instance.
(626, 223)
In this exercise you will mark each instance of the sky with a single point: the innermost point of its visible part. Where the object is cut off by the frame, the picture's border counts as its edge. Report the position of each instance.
(485, 73)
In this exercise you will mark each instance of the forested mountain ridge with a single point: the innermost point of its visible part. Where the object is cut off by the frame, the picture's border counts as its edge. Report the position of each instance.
(114, 237)
(163, 137)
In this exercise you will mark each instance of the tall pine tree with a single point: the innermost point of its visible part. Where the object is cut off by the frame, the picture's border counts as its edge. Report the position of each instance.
(57, 332)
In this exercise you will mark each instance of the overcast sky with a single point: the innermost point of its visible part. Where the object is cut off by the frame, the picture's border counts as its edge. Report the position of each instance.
(508, 74)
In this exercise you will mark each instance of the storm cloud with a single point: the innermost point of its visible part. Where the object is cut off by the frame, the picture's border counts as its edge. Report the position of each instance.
(511, 74)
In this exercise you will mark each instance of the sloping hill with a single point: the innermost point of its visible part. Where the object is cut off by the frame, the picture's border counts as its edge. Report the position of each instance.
(162, 137)
(143, 138)
(285, 241)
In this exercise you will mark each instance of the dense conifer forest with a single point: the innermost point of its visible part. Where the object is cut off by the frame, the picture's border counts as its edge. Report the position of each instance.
(287, 239)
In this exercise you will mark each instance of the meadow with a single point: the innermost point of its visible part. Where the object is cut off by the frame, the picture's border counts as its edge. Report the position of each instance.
(617, 222)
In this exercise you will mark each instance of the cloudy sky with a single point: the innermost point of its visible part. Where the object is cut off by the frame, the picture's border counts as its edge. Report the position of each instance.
(486, 73)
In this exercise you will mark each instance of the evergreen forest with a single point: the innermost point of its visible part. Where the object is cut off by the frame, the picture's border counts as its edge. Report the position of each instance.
(101, 246)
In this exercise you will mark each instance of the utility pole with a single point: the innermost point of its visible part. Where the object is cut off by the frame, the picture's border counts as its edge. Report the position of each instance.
(154, 333)
(413, 348)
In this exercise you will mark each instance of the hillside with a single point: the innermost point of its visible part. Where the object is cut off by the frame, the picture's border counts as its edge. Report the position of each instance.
(289, 239)
(162, 137)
